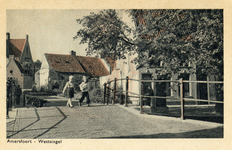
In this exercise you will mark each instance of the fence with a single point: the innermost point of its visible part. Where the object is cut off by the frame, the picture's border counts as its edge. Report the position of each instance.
(13, 94)
(141, 96)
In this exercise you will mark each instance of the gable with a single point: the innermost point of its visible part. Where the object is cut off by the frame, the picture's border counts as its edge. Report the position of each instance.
(15, 66)
(109, 59)
(111, 62)
(26, 54)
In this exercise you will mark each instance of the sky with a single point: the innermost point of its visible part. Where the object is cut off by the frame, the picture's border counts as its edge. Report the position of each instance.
(49, 30)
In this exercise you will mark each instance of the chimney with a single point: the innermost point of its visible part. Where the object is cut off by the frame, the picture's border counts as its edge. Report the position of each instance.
(73, 53)
(8, 35)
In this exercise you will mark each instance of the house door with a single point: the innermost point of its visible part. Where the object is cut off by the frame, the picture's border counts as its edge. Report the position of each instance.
(147, 89)
(162, 90)
(202, 89)
(185, 76)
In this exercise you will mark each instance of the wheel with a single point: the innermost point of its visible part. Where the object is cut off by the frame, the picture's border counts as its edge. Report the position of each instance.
(35, 102)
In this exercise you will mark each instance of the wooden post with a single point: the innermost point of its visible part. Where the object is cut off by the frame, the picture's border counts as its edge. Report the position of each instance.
(121, 99)
(108, 93)
(10, 95)
(104, 93)
(115, 89)
(127, 87)
(13, 94)
(182, 98)
(153, 100)
(141, 99)
(208, 91)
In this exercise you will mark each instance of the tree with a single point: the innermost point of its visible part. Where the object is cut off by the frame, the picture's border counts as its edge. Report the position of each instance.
(37, 65)
(175, 37)
(105, 33)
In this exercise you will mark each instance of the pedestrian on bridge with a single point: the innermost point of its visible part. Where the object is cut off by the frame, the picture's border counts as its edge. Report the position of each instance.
(85, 90)
(69, 86)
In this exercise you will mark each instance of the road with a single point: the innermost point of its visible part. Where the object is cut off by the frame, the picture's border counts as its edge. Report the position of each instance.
(100, 121)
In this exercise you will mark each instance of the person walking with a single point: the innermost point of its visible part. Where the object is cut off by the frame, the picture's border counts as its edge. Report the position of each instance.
(85, 90)
(18, 93)
(69, 86)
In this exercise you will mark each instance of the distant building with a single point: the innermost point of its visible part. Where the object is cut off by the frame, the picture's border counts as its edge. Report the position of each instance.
(56, 68)
(19, 65)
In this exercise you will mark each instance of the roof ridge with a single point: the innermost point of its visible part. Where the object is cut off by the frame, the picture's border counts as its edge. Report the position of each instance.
(87, 56)
(57, 54)
(17, 39)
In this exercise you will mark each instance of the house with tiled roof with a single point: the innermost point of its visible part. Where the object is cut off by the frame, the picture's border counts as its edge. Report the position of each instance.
(56, 68)
(124, 67)
(191, 89)
(19, 65)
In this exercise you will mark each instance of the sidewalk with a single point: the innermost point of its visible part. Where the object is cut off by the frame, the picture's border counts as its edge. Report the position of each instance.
(168, 116)
(12, 115)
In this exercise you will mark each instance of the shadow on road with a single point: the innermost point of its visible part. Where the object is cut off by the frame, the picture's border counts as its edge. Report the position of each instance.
(217, 119)
(64, 117)
(16, 132)
(207, 133)
(38, 119)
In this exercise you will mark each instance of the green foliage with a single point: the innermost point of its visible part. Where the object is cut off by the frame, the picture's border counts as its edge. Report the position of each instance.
(173, 36)
(105, 33)
(45, 88)
(177, 36)
(37, 65)
(96, 95)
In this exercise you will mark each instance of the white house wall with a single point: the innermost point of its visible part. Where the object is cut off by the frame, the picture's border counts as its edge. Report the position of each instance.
(44, 72)
(124, 68)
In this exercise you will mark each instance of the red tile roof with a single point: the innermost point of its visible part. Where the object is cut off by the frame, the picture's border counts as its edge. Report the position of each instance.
(93, 66)
(64, 63)
(17, 46)
(111, 62)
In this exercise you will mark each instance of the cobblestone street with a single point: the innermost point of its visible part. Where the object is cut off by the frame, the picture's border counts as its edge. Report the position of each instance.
(99, 121)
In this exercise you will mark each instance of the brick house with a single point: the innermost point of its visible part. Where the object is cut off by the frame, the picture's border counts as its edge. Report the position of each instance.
(19, 65)
(57, 67)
